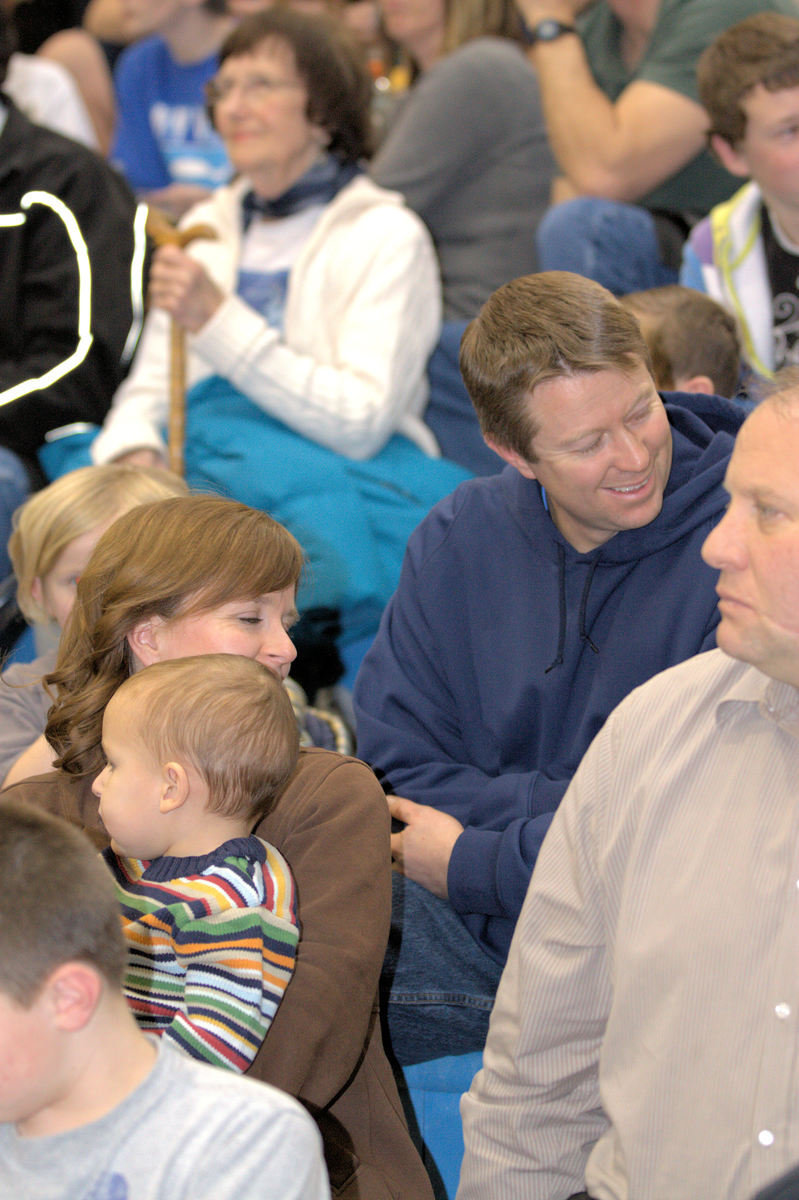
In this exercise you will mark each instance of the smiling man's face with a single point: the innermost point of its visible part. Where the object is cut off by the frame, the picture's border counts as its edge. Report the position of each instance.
(602, 452)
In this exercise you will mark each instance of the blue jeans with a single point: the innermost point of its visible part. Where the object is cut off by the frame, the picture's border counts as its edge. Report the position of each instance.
(14, 488)
(437, 986)
(612, 243)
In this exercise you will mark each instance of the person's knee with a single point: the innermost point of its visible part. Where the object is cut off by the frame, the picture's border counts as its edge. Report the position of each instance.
(570, 235)
(612, 243)
(576, 214)
(561, 221)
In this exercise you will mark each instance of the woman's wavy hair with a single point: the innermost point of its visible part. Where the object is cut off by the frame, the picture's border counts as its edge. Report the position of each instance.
(166, 559)
(332, 67)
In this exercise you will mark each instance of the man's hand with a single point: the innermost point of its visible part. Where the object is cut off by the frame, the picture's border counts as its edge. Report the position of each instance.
(182, 287)
(423, 849)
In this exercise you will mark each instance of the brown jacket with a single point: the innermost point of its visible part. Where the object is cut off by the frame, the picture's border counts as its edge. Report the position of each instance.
(324, 1045)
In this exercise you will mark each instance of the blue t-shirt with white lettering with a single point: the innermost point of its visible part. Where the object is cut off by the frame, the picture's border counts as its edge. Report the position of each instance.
(163, 134)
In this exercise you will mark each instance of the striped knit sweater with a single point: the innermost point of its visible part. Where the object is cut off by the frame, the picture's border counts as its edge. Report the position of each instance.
(211, 946)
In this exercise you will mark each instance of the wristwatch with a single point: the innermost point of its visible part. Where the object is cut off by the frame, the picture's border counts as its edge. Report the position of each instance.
(546, 31)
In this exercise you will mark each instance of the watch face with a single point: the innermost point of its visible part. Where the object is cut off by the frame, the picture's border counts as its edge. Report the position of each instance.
(549, 29)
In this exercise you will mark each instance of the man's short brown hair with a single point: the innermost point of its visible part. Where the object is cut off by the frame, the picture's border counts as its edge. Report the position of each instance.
(762, 49)
(538, 327)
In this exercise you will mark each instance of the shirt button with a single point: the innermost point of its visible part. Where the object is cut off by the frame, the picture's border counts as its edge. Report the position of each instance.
(783, 1011)
(766, 1137)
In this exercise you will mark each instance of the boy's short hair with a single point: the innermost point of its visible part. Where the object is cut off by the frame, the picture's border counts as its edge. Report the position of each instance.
(539, 327)
(762, 49)
(688, 334)
(57, 903)
(72, 506)
(229, 716)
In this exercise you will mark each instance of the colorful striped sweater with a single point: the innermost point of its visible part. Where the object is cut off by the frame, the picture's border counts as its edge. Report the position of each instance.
(211, 946)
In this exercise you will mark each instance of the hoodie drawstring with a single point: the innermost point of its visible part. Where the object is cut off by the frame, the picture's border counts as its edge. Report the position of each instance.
(584, 635)
(558, 659)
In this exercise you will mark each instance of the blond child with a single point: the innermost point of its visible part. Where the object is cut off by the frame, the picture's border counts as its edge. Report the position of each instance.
(198, 750)
(693, 340)
(54, 533)
(90, 1106)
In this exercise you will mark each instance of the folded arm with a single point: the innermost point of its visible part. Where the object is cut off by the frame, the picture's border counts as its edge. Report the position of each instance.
(617, 150)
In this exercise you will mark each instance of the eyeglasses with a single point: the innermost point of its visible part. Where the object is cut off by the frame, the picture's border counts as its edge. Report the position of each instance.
(253, 88)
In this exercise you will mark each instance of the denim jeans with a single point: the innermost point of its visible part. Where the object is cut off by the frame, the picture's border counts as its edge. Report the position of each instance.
(14, 488)
(437, 986)
(613, 243)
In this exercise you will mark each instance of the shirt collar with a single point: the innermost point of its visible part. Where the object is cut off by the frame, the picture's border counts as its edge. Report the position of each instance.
(775, 700)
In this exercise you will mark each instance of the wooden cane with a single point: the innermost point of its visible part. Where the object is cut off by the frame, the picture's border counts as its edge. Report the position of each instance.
(164, 233)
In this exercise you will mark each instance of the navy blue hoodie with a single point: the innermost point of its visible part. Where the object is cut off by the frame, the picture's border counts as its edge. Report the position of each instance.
(504, 649)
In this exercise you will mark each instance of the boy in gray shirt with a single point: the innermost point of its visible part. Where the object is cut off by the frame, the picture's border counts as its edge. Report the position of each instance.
(90, 1108)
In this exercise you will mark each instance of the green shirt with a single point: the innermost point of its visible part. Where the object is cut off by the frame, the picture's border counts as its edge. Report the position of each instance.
(682, 31)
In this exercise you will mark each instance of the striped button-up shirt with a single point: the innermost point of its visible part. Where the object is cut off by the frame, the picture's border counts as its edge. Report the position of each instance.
(644, 1039)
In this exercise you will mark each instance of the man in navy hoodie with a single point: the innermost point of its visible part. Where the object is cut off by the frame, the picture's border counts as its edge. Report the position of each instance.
(530, 604)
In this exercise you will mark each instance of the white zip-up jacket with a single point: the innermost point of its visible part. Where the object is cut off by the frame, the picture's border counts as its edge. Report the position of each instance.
(363, 312)
(724, 257)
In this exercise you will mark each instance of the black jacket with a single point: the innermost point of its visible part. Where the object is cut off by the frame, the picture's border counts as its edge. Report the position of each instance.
(70, 283)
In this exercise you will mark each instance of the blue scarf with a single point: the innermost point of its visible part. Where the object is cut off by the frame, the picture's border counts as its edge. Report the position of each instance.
(320, 184)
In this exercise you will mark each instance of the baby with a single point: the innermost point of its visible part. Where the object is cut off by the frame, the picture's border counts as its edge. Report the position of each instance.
(197, 751)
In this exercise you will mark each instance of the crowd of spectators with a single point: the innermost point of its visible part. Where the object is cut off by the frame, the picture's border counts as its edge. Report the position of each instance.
(237, 236)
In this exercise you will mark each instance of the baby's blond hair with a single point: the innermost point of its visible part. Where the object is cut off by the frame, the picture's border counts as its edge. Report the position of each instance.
(227, 716)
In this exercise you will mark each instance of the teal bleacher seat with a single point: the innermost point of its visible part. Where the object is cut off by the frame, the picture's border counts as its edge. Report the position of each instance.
(431, 1094)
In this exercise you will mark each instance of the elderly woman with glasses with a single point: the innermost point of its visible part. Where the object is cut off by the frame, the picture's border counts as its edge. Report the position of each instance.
(316, 292)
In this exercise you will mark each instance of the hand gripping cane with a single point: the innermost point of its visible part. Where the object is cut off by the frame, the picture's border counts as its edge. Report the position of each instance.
(163, 233)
